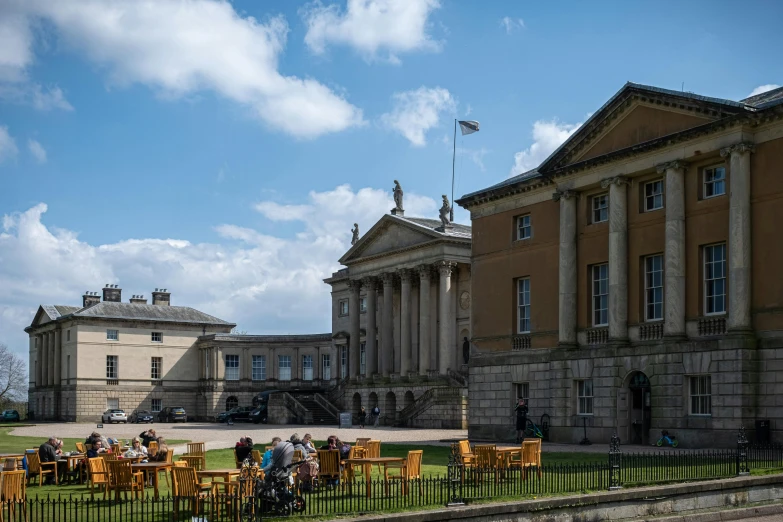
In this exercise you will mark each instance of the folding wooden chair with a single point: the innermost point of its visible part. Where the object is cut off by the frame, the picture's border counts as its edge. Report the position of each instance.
(185, 485)
(328, 465)
(36, 468)
(98, 475)
(409, 470)
(123, 479)
(14, 492)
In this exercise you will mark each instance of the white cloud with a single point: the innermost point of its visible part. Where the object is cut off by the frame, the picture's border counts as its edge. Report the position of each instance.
(266, 283)
(511, 24)
(8, 147)
(37, 150)
(474, 155)
(763, 88)
(371, 26)
(49, 98)
(416, 112)
(179, 48)
(547, 136)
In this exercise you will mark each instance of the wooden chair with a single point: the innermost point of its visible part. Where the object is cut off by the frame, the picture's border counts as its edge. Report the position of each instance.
(123, 479)
(198, 449)
(298, 456)
(98, 475)
(80, 447)
(36, 468)
(193, 461)
(108, 456)
(170, 460)
(237, 462)
(531, 456)
(329, 465)
(14, 492)
(180, 464)
(374, 450)
(152, 448)
(257, 456)
(9, 464)
(409, 470)
(185, 484)
(115, 448)
(487, 459)
(348, 469)
(87, 447)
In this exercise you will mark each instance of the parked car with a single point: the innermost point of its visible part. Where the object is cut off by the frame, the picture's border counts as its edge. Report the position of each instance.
(240, 413)
(172, 414)
(141, 416)
(11, 416)
(112, 416)
(259, 415)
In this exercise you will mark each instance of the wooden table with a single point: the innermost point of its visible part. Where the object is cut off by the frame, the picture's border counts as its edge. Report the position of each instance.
(73, 464)
(152, 467)
(368, 462)
(225, 473)
(506, 452)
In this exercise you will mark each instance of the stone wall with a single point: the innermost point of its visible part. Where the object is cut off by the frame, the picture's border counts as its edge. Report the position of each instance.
(744, 385)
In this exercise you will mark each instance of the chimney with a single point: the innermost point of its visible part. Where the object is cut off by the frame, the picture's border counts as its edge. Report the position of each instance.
(161, 297)
(112, 293)
(90, 298)
(138, 299)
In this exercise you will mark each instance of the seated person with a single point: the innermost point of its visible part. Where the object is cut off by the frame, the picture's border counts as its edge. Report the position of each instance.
(331, 443)
(163, 449)
(299, 446)
(268, 453)
(282, 456)
(47, 452)
(344, 447)
(244, 451)
(137, 450)
(307, 442)
(92, 438)
(96, 450)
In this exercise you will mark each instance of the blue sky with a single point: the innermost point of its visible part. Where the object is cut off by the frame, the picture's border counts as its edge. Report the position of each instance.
(184, 144)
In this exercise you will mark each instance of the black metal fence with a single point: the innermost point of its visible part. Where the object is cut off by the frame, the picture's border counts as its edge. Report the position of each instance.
(461, 484)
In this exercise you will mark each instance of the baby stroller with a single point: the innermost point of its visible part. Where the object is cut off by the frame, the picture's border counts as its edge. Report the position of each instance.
(272, 496)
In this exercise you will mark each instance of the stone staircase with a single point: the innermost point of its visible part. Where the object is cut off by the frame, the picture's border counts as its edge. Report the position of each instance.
(321, 412)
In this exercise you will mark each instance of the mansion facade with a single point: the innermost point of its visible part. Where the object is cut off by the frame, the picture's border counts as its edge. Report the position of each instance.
(631, 282)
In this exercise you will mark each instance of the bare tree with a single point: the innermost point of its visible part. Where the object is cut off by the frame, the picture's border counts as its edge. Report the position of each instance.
(13, 376)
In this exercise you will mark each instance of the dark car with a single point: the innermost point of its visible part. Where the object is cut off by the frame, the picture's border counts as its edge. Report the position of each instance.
(240, 413)
(11, 416)
(172, 414)
(259, 415)
(141, 416)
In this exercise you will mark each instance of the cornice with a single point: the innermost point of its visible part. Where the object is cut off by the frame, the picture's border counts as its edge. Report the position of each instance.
(615, 180)
(565, 195)
(742, 148)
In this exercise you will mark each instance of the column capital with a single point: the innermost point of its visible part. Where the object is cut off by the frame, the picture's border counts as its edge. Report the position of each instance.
(405, 274)
(445, 268)
(741, 148)
(565, 194)
(387, 278)
(615, 180)
(676, 165)
(370, 283)
(425, 272)
(354, 285)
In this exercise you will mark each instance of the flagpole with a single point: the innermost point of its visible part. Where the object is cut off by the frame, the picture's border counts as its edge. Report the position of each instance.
(453, 159)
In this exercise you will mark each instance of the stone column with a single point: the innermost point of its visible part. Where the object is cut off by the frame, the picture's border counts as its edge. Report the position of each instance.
(221, 364)
(424, 319)
(371, 346)
(674, 255)
(386, 355)
(353, 342)
(567, 270)
(57, 366)
(405, 321)
(39, 344)
(45, 359)
(739, 254)
(618, 258)
(447, 320)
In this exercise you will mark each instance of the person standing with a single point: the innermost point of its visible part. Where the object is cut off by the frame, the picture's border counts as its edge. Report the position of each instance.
(521, 411)
(362, 417)
(376, 413)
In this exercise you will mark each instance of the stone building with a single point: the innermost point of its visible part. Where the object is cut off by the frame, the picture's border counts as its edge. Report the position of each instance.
(400, 314)
(109, 354)
(631, 282)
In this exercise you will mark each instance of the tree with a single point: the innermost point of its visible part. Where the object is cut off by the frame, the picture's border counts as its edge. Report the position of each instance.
(13, 376)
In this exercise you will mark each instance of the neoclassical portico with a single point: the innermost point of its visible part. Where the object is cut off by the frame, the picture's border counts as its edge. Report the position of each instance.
(401, 286)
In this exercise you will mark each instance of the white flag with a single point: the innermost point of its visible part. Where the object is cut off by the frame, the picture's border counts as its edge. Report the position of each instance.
(468, 126)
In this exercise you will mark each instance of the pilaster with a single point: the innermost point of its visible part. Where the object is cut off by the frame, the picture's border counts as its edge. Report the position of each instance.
(618, 258)
(674, 255)
(567, 274)
(424, 319)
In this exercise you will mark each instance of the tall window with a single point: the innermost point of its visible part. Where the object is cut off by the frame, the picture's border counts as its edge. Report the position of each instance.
(714, 182)
(68, 335)
(600, 208)
(715, 279)
(232, 367)
(112, 366)
(231, 403)
(157, 337)
(343, 307)
(653, 195)
(523, 305)
(326, 367)
(523, 392)
(112, 335)
(653, 288)
(343, 362)
(307, 367)
(68, 370)
(155, 366)
(524, 229)
(362, 358)
(284, 367)
(601, 295)
(157, 405)
(362, 304)
(207, 364)
(259, 367)
(701, 395)
(584, 395)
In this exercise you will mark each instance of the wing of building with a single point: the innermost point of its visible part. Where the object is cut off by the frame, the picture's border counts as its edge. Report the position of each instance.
(631, 282)
(400, 318)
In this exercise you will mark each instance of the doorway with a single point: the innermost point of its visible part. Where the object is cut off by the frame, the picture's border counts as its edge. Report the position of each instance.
(640, 411)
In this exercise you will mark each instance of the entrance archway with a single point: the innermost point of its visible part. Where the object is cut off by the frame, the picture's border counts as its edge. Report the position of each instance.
(408, 399)
(357, 403)
(391, 408)
(639, 409)
(373, 400)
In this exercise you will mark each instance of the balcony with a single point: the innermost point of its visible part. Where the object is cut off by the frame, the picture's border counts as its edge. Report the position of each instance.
(651, 331)
(597, 335)
(520, 342)
(711, 326)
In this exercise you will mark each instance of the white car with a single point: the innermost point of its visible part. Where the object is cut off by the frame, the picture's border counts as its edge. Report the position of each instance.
(110, 416)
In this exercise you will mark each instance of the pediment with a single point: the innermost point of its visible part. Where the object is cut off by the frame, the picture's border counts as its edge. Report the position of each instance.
(44, 315)
(637, 114)
(387, 236)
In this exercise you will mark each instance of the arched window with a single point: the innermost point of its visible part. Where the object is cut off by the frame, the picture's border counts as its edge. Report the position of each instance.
(231, 402)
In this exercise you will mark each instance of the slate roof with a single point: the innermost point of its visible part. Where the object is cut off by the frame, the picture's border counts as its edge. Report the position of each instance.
(457, 230)
(530, 174)
(765, 99)
(138, 312)
(298, 338)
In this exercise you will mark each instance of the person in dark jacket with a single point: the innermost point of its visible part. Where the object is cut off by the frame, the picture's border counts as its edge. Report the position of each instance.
(147, 437)
(245, 449)
(362, 417)
(47, 452)
(521, 411)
